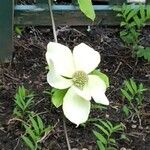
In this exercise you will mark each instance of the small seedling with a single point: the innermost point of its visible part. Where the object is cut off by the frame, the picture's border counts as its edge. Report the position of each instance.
(105, 135)
(19, 30)
(133, 93)
(23, 101)
(35, 133)
(133, 19)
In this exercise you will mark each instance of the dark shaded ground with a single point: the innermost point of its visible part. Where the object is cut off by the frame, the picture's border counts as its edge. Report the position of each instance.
(28, 69)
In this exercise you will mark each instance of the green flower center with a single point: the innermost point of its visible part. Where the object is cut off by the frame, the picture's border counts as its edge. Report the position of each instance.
(80, 79)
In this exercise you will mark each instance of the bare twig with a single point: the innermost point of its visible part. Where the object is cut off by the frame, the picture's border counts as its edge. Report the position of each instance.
(118, 67)
(55, 38)
(52, 19)
(66, 135)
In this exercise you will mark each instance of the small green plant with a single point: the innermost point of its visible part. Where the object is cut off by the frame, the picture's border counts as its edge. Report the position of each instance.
(105, 135)
(133, 93)
(133, 19)
(35, 132)
(23, 101)
(19, 30)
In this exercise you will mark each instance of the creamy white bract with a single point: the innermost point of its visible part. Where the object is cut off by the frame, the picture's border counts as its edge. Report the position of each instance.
(71, 70)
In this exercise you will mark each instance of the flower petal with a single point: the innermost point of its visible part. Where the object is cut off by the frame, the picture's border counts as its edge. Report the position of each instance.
(57, 81)
(75, 108)
(62, 58)
(97, 89)
(86, 58)
(82, 93)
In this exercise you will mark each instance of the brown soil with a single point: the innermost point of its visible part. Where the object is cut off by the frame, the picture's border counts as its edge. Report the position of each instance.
(28, 69)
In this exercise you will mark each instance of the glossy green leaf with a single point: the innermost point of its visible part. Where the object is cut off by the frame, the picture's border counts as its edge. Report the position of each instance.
(129, 87)
(100, 145)
(35, 125)
(40, 123)
(102, 129)
(134, 86)
(57, 97)
(100, 137)
(106, 125)
(126, 95)
(131, 14)
(30, 132)
(28, 142)
(87, 8)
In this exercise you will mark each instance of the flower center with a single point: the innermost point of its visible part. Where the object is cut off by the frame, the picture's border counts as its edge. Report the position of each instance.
(80, 78)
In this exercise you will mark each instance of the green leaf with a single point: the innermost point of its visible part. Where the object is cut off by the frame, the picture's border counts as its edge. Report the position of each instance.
(28, 103)
(142, 13)
(28, 142)
(106, 125)
(110, 124)
(18, 102)
(129, 98)
(144, 52)
(126, 110)
(123, 23)
(17, 113)
(102, 129)
(35, 126)
(18, 30)
(148, 11)
(137, 21)
(100, 137)
(131, 14)
(112, 140)
(127, 10)
(40, 123)
(118, 127)
(102, 76)
(87, 8)
(134, 86)
(123, 33)
(129, 87)
(100, 145)
(31, 133)
(57, 97)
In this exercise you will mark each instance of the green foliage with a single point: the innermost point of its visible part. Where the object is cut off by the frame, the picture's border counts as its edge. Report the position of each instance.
(35, 132)
(87, 8)
(102, 76)
(144, 52)
(133, 19)
(23, 101)
(57, 97)
(105, 135)
(19, 30)
(133, 93)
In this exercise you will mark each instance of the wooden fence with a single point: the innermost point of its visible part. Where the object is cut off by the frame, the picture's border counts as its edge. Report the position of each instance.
(38, 14)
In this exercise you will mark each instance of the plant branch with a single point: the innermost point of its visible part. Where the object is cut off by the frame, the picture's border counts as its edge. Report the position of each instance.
(52, 19)
(66, 135)
(55, 38)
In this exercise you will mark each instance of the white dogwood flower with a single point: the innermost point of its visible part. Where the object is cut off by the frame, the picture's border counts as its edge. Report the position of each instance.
(71, 70)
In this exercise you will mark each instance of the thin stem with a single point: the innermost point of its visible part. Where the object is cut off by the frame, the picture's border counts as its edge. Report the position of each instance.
(66, 135)
(52, 19)
(55, 38)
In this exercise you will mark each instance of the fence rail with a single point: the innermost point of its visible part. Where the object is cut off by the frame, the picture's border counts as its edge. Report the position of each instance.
(38, 14)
